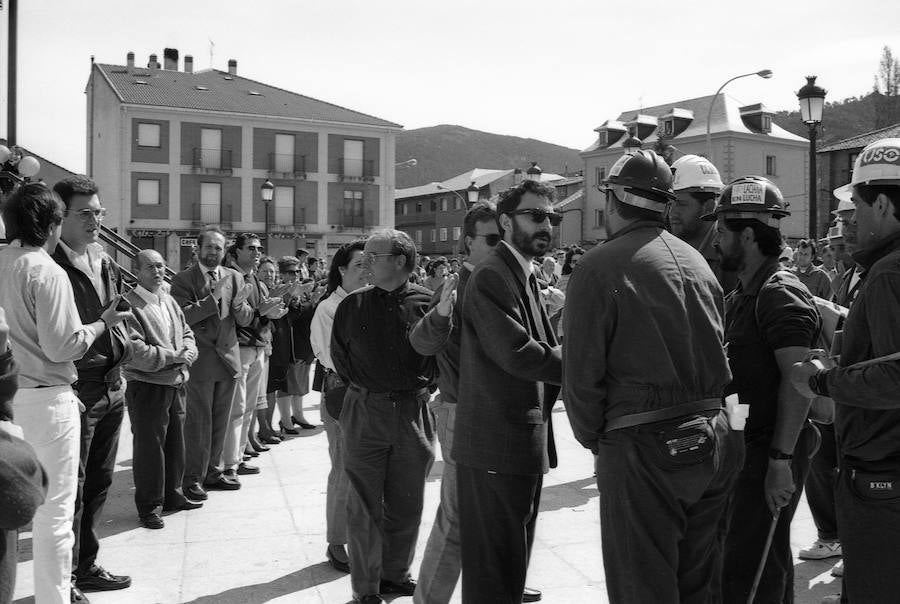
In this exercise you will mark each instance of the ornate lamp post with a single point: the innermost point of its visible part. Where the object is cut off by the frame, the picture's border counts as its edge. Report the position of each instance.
(472, 194)
(812, 103)
(267, 191)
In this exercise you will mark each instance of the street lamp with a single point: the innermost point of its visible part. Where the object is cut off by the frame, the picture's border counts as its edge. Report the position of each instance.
(534, 172)
(472, 194)
(267, 191)
(15, 168)
(764, 73)
(812, 102)
(461, 198)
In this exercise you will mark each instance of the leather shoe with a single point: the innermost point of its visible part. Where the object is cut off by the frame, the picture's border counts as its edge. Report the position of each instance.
(78, 597)
(270, 440)
(292, 431)
(306, 425)
(152, 521)
(369, 599)
(196, 492)
(223, 483)
(259, 447)
(187, 504)
(407, 588)
(532, 595)
(245, 468)
(250, 452)
(338, 562)
(98, 578)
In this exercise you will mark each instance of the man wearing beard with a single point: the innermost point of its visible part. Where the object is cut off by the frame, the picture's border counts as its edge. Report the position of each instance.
(510, 368)
(771, 322)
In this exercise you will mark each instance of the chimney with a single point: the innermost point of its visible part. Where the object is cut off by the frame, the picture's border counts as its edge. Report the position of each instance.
(153, 64)
(170, 59)
(130, 59)
(188, 64)
(232, 67)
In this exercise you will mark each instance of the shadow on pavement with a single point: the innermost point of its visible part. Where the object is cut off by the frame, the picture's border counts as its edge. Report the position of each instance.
(813, 580)
(298, 580)
(568, 494)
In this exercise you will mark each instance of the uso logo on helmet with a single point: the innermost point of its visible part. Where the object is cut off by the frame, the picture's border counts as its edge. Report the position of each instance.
(880, 155)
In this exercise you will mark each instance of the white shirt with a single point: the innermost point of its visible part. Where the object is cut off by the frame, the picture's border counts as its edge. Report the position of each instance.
(158, 309)
(322, 323)
(91, 264)
(527, 265)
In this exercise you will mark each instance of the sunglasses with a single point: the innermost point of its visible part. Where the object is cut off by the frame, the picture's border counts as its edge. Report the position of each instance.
(491, 239)
(88, 213)
(539, 216)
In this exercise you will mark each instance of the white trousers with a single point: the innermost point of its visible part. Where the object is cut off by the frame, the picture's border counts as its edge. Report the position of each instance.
(51, 423)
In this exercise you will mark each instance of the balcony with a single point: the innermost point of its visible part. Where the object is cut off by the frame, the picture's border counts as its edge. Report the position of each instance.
(356, 170)
(211, 213)
(287, 165)
(212, 161)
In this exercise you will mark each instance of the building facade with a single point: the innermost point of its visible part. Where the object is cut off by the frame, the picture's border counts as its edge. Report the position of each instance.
(744, 141)
(176, 150)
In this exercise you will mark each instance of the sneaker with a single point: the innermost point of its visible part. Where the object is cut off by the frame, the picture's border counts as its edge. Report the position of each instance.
(838, 570)
(821, 550)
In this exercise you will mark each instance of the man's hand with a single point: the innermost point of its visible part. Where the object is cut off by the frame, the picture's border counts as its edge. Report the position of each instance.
(219, 287)
(272, 308)
(779, 485)
(242, 294)
(184, 357)
(448, 295)
(111, 316)
(278, 291)
(801, 372)
(4, 331)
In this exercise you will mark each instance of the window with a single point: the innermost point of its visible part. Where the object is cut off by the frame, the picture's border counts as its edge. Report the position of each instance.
(148, 192)
(419, 237)
(284, 205)
(457, 231)
(603, 138)
(284, 153)
(766, 123)
(353, 208)
(210, 148)
(668, 127)
(598, 219)
(443, 204)
(418, 206)
(403, 209)
(210, 202)
(601, 175)
(353, 158)
(771, 166)
(434, 205)
(433, 235)
(443, 234)
(851, 159)
(457, 204)
(148, 135)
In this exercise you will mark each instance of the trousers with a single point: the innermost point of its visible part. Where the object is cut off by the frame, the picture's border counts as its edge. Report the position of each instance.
(250, 386)
(338, 484)
(205, 424)
(820, 484)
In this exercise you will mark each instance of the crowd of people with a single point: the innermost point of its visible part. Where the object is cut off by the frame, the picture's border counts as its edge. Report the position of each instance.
(685, 349)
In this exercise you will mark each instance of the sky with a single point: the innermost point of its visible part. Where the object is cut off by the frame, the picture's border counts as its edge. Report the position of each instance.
(552, 71)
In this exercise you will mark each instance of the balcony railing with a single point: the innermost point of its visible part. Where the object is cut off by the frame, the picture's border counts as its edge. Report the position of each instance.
(212, 213)
(287, 164)
(350, 169)
(212, 161)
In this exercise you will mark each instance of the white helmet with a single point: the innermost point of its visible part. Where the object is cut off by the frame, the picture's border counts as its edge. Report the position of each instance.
(878, 163)
(693, 173)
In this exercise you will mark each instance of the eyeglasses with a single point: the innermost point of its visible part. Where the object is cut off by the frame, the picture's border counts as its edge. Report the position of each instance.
(88, 213)
(291, 272)
(492, 239)
(255, 248)
(538, 215)
(369, 257)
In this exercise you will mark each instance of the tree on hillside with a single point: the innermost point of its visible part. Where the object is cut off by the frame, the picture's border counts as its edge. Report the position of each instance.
(887, 90)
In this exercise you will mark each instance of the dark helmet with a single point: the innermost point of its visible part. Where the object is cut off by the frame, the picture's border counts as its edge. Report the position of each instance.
(641, 179)
(751, 197)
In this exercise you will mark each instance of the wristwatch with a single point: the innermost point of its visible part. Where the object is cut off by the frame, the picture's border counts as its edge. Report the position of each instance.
(818, 384)
(776, 454)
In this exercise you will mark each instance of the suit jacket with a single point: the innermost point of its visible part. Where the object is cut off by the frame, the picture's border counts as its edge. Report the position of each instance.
(152, 353)
(219, 357)
(503, 410)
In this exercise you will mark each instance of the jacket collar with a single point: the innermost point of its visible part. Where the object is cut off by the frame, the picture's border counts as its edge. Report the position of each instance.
(505, 252)
(874, 253)
(638, 224)
(768, 268)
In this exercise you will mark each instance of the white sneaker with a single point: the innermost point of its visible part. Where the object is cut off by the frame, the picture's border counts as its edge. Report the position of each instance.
(838, 570)
(821, 550)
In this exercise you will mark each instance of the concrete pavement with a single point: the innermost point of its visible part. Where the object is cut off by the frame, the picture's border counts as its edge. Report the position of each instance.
(266, 542)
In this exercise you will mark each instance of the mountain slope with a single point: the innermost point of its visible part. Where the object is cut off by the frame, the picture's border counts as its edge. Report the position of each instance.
(445, 151)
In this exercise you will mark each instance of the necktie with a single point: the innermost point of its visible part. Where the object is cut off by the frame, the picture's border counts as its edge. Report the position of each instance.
(212, 286)
(535, 304)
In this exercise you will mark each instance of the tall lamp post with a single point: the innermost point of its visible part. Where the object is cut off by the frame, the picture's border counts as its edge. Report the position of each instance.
(812, 103)
(472, 194)
(764, 73)
(267, 191)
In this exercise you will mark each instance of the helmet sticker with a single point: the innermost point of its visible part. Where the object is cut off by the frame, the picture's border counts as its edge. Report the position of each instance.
(617, 167)
(748, 192)
(880, 155)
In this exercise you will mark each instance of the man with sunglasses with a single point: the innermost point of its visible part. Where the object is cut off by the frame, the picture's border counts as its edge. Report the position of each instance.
(644, 372)
(97, 283)
(388, 431)
(510, 368)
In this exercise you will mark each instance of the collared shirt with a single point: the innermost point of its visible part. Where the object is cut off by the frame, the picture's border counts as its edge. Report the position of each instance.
(91, 264)
(370, 343)
(44, 327)
(206, 270)
(816, 281)
(320, 329)
(527, 266)
(156, 306)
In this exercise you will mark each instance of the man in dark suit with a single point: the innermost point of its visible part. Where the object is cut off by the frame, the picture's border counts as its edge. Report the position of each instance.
(214, 299)
(510, 368)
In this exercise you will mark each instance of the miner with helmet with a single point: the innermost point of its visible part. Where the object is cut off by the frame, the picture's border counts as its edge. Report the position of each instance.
(864, 385)
(771, 323)
(644, 371)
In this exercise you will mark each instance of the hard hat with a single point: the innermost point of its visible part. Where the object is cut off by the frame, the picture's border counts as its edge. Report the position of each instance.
(878, 163)
(692, 173)
(642, 179)
(752, 197)
(844, 205)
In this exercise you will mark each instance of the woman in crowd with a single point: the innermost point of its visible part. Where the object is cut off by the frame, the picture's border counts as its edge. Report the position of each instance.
(268, 275)
(436, 272)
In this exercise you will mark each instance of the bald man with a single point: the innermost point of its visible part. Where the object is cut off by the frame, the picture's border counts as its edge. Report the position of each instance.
(163, 349)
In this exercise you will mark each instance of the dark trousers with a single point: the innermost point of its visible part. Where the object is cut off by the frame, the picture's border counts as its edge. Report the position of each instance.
(662, 520)
(749, 522)
(208, 408)
(157, 425)
(497, 517)
(820, 484)
(388, 452)
(100, 424)
(870, 539)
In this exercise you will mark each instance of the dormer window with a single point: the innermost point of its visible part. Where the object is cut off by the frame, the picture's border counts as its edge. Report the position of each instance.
(766, 123)
(603, 138)
(668, 127)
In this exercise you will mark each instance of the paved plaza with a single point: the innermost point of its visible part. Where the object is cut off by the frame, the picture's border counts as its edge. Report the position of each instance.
(266, 542)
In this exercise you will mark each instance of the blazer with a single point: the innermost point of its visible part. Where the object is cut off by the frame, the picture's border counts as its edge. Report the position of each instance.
(219, 357)
(503, 411)
(151, 359)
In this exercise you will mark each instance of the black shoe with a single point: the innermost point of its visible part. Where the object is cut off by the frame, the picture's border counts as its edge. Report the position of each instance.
(100, 579)
(407, 588)
(369, 599)
(532, 595)
(259, 447)
(152, 521)
(183, 506)
(291, 431)
(250, 452)
(78, 597)
(246, 468)
(196, 492)
(223, 483)
(270, 440)
(336, 563)
(307, 426)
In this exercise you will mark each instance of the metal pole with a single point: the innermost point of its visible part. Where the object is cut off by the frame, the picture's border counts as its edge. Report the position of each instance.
(11, 74)
(813, 192)
(267, 226)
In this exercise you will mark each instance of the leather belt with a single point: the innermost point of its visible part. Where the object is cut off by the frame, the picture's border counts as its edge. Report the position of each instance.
(659, 415)
(389, 394)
